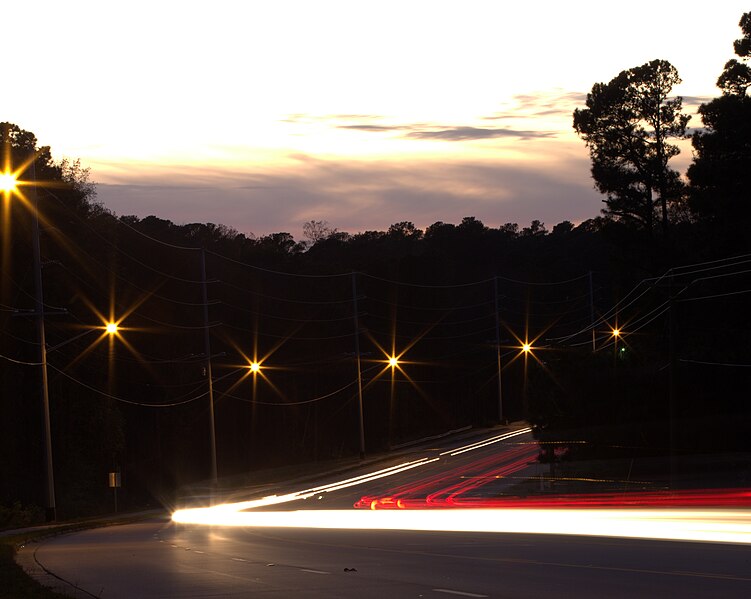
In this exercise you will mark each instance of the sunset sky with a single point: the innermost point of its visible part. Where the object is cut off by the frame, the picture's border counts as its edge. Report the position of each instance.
(264, 115)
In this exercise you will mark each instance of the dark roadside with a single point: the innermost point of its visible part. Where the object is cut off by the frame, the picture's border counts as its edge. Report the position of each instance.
(573, 463)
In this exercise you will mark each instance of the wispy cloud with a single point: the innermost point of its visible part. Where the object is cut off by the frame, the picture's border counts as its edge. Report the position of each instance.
(547, 104)
(420, 131)
(465, 133)
(696, 101)
(375, 128)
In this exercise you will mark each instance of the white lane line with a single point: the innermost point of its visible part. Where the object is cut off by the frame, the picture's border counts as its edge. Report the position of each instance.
(462, 593)
(238, 559)
(313, 571)
(197, 551)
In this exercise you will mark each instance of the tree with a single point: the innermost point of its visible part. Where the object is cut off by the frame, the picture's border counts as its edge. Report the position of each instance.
(317, 230)
(720, 174)
(405, 229)
(736, 76)
(626, 125)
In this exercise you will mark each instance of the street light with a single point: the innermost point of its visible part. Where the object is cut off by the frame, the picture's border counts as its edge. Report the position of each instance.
(254, 367)
(9, 185)
(8, 182)
(111, 328)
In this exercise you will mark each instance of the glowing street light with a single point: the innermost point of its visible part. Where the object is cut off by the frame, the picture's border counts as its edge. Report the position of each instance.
(8, 182)
(111, 328)
(616, 332)
(393, 362)
(526, 348)
(254, 367)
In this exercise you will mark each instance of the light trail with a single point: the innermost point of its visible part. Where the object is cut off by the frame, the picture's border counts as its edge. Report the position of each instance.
(719, 526)
(679, 516)
(485, 442)
(221, 511)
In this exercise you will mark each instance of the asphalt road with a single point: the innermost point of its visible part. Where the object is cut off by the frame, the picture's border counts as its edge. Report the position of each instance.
(160, 559)
(163, 559)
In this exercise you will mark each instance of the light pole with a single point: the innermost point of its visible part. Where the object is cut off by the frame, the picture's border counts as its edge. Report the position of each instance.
(498, 354)
(393, 363)
(209, 376)
(526, 350)
(9, 185)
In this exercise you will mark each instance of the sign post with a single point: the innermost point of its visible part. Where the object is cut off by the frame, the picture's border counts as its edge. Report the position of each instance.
(114, 480)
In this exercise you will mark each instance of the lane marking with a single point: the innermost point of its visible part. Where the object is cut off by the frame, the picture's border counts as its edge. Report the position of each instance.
(462, 593)
(238, 559)
(196, 551)
(313, 571)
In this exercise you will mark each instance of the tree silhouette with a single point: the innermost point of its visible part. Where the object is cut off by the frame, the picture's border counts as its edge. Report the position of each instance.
(626, 126)
(721, 172)
(736, 76)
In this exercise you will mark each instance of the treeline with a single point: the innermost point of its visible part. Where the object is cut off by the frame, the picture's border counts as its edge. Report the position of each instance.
(665, 263)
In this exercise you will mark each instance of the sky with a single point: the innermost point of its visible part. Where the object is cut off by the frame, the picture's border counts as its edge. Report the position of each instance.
(263, 115)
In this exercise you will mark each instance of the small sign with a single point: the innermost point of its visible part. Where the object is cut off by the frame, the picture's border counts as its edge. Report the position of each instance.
(115, 480)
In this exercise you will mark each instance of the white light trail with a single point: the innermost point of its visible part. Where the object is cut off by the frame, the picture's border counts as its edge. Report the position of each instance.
(226, 509)
(349, 482)
(720, 526)
(486, 442)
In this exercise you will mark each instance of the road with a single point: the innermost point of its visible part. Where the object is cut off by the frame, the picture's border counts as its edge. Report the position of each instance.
(161, 558)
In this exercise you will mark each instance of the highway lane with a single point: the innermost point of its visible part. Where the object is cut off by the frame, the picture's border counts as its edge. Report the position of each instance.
(162, 559)
(166, 559)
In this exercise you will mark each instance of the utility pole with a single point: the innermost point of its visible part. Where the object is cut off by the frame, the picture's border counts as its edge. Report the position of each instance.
(498, 353)
(592, 309)
(51, 508)
(672, 365)
(359, 366)
(207, 350)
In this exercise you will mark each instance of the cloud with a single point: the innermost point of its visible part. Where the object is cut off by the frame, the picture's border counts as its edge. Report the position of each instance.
(374, 128)
(434, 131)
(696, 101)
(364, 195)
(526, 106)
(465, 133)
